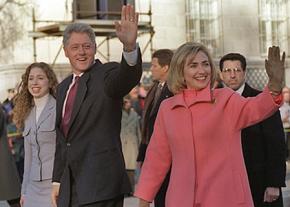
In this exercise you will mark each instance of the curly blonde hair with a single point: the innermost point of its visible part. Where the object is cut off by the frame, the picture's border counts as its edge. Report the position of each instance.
(24, 100)
(176, 76)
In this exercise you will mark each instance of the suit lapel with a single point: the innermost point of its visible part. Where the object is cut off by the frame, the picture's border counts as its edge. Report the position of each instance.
(164, 94)
(247, 91)
(149, 100)
(47, 110)
(31, 119)
(61, 97)
(81, 93)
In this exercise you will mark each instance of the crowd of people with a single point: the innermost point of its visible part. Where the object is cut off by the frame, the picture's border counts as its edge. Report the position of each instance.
(197, 136)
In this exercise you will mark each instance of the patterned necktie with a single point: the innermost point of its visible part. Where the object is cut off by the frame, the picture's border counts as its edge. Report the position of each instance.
(69, 106)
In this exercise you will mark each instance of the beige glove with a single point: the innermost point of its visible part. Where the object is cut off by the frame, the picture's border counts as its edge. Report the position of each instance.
(275, 69)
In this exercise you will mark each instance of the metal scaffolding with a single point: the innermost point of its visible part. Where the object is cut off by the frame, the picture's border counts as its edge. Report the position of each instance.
(102, 27)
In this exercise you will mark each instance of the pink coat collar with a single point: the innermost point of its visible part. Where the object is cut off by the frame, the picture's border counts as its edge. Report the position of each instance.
(189, 97)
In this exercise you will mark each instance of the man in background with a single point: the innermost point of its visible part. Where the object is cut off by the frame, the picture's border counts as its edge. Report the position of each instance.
(263, 143)
(159, 91)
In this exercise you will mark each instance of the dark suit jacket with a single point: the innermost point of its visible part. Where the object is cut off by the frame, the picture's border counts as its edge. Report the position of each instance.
(91, 152)
(149, 116)
(264, 153)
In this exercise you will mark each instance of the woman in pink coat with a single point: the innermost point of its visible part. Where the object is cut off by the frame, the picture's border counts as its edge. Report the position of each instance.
(197, 133)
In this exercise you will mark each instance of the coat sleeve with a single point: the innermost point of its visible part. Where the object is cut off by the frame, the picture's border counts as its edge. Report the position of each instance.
(273, 134)
(245, 112)
(120, 79)
(157, 162)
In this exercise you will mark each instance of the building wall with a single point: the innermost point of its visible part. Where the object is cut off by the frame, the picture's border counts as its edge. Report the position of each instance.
(241, 27)
(169, 23)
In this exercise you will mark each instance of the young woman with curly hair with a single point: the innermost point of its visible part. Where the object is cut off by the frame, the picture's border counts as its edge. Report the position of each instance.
(34, 112)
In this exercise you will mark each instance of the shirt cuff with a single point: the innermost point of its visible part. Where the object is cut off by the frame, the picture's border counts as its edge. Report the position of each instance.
(55, 183)
(131, 57)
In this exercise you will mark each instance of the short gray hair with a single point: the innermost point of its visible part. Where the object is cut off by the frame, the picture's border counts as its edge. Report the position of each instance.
(78, 28)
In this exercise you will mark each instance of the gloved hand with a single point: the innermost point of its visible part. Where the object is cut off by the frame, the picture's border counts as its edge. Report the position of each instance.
(275, 68)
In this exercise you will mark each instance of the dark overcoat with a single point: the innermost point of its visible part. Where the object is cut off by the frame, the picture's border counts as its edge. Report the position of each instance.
(9, 179)
(264, 153)
(92, 149)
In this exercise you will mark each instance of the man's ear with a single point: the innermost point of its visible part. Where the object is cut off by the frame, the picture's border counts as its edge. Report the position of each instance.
(65, 52)
(95, 45)
(165, 68)
(245, 71)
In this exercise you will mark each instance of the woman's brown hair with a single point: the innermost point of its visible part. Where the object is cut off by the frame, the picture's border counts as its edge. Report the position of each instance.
(24, 100)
